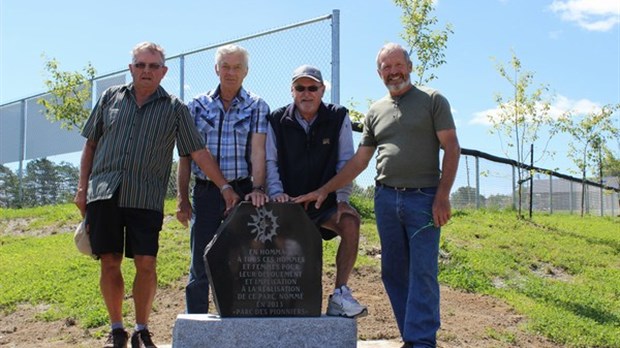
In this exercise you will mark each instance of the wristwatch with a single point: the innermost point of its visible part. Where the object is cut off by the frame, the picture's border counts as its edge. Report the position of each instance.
(260, 188)
(225, 187)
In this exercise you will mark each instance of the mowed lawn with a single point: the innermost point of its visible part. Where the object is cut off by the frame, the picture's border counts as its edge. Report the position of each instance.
(561, 271)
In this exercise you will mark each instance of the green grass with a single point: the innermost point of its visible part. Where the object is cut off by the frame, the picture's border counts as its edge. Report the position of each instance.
(562, 272)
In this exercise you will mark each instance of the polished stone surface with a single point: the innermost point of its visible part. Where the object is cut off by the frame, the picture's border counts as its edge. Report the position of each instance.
(266, 262)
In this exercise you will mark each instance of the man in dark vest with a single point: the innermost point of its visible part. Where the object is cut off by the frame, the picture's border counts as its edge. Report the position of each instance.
(308, 142)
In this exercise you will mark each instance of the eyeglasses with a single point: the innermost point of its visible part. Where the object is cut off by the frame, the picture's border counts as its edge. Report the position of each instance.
(300, 88)
(152, 66)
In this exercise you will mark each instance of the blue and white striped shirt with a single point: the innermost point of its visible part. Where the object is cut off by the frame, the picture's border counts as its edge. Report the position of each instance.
(227, 134)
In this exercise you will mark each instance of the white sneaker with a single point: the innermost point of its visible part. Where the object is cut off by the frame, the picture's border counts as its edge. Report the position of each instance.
(342, 304)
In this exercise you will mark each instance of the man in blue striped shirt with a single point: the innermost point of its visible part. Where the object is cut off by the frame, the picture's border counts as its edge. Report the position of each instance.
(124, 172)
(233, 123)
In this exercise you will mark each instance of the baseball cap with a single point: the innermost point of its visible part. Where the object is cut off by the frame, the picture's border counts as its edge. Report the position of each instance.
(307, 71)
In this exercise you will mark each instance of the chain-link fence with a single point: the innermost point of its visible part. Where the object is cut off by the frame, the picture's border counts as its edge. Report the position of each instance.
(483, 181)
(25, 133)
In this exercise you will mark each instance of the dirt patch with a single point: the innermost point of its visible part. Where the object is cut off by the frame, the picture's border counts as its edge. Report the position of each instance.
(468, 320)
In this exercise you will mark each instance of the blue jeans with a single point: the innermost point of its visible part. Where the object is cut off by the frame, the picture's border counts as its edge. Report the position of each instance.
(207, 213)
(409, 260)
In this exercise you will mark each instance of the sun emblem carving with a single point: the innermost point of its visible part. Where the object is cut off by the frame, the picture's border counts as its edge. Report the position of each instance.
(264, 224)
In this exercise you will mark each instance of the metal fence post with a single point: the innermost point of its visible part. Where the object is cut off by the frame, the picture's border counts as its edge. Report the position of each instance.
(182, 77)
(336, 56)
(587, 199)
(477, 182)
(550, 194)
(22, 153)
(601, 200)
(514, 194)
(570, 197)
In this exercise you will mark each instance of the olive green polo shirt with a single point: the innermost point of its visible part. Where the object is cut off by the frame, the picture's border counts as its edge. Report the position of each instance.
(404, 132)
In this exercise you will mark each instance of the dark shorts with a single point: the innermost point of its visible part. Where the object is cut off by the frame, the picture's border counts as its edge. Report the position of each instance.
(323, 216)
(113, 229)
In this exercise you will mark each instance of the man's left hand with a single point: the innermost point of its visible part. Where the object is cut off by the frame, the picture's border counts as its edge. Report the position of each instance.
(258, 198)
(441, 211)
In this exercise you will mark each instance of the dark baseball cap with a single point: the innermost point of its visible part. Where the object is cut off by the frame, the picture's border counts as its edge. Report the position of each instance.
(308, 71)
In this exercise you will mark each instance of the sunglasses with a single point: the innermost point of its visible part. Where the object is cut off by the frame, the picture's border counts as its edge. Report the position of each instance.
(152, 66)
(300, 88)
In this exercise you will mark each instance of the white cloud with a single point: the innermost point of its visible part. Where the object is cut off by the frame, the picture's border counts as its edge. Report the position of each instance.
(484, 117)
(592, 15)
(560, 106)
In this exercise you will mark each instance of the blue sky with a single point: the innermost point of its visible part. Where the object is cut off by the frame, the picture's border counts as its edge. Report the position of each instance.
(571, 45)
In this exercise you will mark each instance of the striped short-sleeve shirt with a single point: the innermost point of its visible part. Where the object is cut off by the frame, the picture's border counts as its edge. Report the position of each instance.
(135, 144)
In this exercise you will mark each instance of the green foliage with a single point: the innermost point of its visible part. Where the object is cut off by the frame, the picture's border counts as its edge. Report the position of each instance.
(521, 117)
(364, 206)
(40, 217)
(426, 42)
(611, 163)
(43, 183)
(9, 188)
(560, 271)
(70, 95)
(502, 336)
(589, 134)
(354, 115)
(49, 270)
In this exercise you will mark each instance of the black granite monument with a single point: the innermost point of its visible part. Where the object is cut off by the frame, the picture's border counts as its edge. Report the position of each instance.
(266, 262)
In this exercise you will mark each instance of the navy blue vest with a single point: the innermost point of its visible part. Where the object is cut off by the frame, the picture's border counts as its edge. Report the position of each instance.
(307, 161)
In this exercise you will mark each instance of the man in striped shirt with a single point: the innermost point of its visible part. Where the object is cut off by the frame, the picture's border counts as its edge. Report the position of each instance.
(124, 172)
(233, 122)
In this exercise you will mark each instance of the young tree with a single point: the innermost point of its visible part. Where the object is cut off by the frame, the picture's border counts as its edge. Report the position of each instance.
(71, 93)
(40, 183)
(611, 164)
(427, 44)
(68, 175)
(8, 188)
(521, 118)
(590, 134)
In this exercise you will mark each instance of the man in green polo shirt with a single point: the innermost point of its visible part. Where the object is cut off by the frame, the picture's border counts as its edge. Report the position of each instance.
(407, 128)
(124, 174)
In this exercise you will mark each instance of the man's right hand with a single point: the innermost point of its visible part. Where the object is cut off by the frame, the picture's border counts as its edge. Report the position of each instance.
(184, 211)
(318, 195)
(80, 201)
(231, 198)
